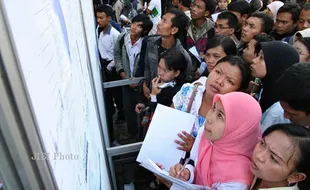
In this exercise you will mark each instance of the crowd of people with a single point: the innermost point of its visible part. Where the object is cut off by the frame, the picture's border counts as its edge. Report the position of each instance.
(241, 67)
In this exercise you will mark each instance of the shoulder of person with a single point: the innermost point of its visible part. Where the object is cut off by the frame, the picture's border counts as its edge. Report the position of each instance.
(152, 38)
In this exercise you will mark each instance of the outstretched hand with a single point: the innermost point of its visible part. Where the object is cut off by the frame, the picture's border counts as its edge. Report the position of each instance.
(187, 141)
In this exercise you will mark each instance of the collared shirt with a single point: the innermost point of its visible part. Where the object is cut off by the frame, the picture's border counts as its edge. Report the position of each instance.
(132, 51)
(199, 31)
(106, 41)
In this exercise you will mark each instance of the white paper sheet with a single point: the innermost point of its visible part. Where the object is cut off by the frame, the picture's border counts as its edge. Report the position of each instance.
(159, 144)
(151, 166)
(214, 16)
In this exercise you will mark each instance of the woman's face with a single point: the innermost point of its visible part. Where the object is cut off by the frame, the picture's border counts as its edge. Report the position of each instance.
(258, 66)
(213, 55)
(302, 50)
(222, 4)
(164, 73)
(215, 122)
(224, 78)
(274, 157)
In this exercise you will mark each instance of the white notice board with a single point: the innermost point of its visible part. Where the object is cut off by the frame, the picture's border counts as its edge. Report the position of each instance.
(48, 36)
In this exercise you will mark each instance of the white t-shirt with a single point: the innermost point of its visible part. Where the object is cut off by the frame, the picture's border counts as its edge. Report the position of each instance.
(155, 7)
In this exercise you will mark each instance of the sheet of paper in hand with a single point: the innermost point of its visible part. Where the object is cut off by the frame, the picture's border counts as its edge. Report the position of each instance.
(151, 166)
(159, 144)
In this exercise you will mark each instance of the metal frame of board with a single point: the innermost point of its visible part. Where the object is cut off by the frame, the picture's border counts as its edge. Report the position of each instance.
(19, 136)
(18, 124)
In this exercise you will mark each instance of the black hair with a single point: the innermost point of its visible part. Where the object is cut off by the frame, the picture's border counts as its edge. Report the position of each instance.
(305, 41)
(240, 6)
(146, 25)
(244, 69)
(306, 7)
(228, 45)
(255, 5)
(292, 8)
(210, 5)
(293, 87)
(231, 18)
(267, 22)
(186, 3)
(261, 38)
(105, 9)
(175, 60)
(300, 137)
(180, 20)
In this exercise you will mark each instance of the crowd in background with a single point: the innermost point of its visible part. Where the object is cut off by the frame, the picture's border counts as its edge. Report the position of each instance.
(243, 65)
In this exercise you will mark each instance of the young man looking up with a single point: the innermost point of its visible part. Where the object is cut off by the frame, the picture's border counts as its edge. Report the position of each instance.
(200, 26)
(257, 23)
(171, 30)
(252, 49)
(107, 36)
(241, 9)
(127, 54)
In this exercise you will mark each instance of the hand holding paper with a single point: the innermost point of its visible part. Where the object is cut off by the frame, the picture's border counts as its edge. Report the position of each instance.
(180, 172)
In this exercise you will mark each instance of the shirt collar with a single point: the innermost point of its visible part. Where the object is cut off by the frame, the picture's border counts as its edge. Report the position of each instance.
(108, 31)
(128, 41)
(204, 25)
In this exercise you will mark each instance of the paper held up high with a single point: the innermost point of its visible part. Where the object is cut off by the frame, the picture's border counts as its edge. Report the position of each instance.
(159, 144)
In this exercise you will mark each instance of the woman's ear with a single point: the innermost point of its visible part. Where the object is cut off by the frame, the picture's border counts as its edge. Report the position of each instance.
(296, 177)
(176, 73)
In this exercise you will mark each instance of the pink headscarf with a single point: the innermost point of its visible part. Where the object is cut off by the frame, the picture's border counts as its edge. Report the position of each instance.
(229, 159)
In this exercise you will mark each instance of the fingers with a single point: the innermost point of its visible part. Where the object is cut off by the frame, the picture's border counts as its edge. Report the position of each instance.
(188, 135)
(182, 145)
(184, 138)
(172, 171)
(160, 166)
(253, 83)
(155, 81)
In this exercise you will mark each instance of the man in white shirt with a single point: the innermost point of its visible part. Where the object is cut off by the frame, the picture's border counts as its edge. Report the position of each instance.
(154, 11)
(107, 36)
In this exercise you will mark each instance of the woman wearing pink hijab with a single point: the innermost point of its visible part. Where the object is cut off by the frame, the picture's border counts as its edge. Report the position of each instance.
(224, 146)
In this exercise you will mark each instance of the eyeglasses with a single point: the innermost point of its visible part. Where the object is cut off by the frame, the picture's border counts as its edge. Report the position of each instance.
(163, 69)
(221, 27)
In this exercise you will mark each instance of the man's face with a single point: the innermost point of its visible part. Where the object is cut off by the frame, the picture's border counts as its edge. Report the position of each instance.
(304, 20)
(136, 28)
(241, 19)
(102, 19)
(249, 52)
(198, 9)
(253, 26)
(221, 28)
(164, 27)
(284, 23)
(295, 116)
